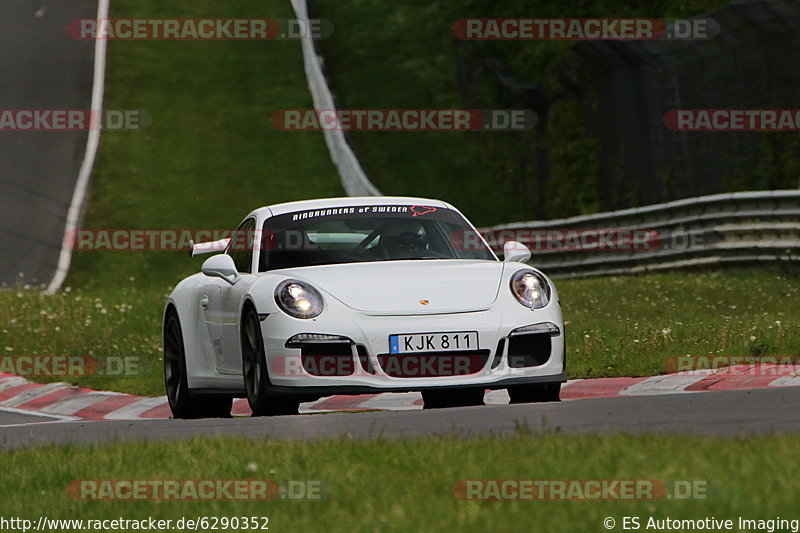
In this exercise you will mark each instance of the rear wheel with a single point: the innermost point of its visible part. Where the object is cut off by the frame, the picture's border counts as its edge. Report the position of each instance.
(535, 393)
(182, 402)
(439, 399)
(256, 375)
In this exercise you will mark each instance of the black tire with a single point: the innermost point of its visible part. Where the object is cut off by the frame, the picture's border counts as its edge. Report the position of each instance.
(535, 393)
(440, 399)
(256, 374)
(182, 402)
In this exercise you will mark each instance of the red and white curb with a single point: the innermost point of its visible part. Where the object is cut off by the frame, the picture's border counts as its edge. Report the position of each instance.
(68, 402)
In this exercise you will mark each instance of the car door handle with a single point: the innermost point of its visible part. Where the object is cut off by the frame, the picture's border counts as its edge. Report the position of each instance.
(204, 302)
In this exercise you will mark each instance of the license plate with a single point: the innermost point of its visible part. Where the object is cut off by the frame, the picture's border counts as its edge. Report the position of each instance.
(434, 342)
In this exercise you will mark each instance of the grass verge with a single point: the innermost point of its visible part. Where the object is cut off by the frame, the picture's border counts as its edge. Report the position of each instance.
(631, 325)
(377, 486)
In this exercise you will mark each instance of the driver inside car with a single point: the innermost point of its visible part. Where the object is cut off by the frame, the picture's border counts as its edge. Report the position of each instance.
(402, 239)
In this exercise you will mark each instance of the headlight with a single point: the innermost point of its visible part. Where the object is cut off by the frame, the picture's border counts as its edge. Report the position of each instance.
(530, 289)
(298, 299)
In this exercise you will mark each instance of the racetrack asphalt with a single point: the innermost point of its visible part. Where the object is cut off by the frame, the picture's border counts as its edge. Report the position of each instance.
(726, 413)
(41, 67)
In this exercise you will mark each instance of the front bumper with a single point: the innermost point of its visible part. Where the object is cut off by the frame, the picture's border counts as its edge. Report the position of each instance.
(502, 366)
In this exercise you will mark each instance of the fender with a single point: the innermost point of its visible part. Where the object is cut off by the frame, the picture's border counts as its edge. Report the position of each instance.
(184, 298)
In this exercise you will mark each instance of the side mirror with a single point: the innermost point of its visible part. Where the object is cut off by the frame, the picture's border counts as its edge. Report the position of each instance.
(221, 266)
(516, 251)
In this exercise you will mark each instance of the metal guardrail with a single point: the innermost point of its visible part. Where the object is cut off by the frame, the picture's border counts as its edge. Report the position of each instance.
(742, 227)
(354, 179)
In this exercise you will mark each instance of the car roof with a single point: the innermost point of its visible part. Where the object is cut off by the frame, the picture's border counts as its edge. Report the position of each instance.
(291, 207)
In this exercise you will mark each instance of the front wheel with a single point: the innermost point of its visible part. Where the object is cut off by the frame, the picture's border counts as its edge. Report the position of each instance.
(256, 375)
(182, 402)
(535, 393)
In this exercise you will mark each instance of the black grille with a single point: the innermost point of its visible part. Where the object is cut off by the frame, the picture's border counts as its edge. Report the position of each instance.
(498, 354)
(363, 358)
(528, 350)
(433, 364)
(328, 359)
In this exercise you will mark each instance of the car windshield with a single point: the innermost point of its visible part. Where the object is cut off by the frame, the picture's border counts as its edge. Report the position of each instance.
(363, 233)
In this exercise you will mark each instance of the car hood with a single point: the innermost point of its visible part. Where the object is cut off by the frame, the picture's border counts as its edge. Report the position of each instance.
(401, 287)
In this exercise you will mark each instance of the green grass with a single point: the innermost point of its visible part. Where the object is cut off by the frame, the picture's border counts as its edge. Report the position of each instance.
(617, 326)
(407, 485)
(122, 321)
(631, 325)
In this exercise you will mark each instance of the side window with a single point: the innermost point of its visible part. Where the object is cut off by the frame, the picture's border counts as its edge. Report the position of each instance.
(241, 246)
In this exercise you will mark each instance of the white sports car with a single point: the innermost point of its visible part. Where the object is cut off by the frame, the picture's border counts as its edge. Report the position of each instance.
(359, 295)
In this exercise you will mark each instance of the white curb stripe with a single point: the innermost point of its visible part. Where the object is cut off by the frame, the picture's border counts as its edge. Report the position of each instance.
(34, 393)
(93, 141)
(496, 397)
(317, 405)
(10, 383)
(786, 381)
(135, 409)
(70, 406)
(310, 409)
(394, 401)
(669, 384)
